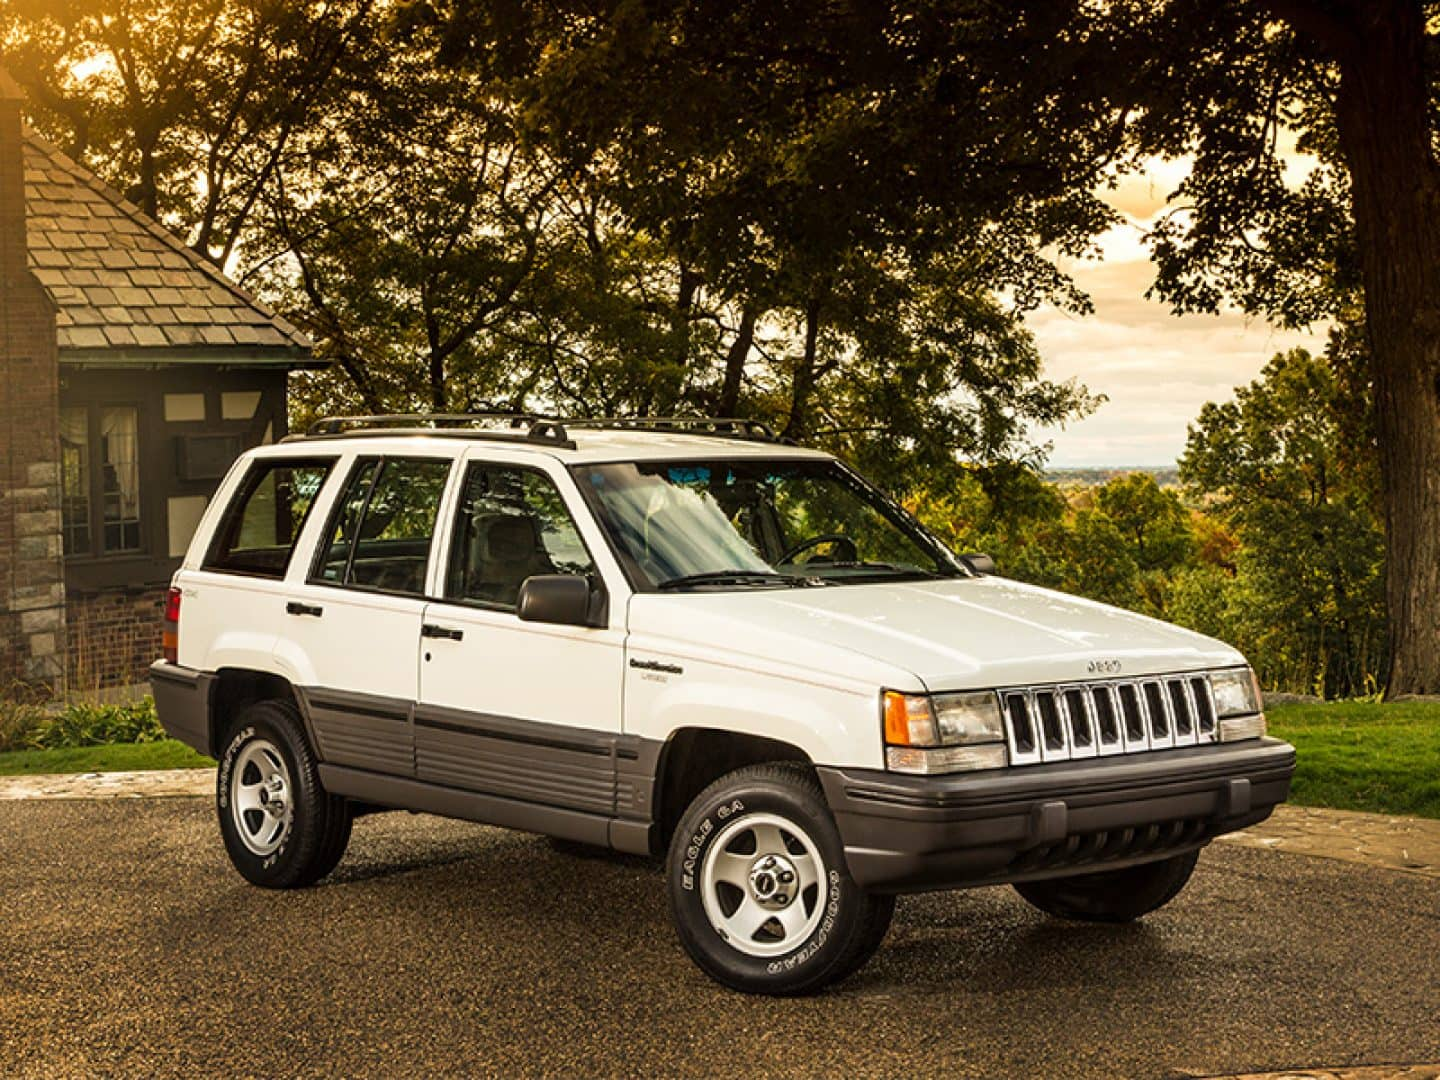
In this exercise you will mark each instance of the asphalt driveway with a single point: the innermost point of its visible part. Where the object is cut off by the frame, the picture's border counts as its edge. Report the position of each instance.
(128, 946)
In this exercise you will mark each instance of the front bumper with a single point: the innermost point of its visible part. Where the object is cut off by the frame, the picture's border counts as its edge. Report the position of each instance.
(912, 833)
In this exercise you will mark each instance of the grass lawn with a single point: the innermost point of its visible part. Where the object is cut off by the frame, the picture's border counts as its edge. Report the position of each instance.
(1353, 756)
(118, 757)
(1364, 756)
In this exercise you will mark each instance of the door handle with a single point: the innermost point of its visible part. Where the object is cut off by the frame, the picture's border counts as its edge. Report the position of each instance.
(430, 630)
(295, 607)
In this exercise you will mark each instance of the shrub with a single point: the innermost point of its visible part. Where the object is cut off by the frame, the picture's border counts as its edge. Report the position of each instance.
(28, 727)
(19, 724)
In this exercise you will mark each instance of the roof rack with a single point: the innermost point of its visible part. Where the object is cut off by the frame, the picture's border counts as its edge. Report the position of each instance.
(502, 425)
(529, 427)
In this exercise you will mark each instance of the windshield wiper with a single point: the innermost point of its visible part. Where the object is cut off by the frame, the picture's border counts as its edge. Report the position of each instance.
(733, 577)
(885, 567)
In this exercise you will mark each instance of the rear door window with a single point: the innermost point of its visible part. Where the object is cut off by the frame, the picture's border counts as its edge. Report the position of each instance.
(258, 532)
(381, 532)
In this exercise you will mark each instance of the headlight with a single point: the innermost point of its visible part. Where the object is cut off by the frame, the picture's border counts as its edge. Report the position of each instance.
(968, 718)
(1235, 693)
(1237, 705)
(944, 732)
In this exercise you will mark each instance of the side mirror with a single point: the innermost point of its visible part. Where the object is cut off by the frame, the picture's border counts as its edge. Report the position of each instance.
(563, 599)
(981, 564)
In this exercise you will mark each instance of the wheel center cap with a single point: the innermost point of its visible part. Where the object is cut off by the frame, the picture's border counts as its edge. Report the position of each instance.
(773, 881)
(272, 796)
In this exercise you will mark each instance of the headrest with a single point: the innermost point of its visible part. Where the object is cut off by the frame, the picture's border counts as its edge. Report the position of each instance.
(510, 537)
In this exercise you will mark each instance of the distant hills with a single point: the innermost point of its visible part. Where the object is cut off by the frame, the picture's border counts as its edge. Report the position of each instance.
(1094, 475)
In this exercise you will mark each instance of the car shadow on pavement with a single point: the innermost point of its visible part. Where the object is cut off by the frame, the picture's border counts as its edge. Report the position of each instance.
(987, 939)
(352, 871)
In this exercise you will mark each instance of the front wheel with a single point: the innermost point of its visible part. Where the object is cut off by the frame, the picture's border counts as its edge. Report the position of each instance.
(1113, 896)
(282, 830)
(758, 885)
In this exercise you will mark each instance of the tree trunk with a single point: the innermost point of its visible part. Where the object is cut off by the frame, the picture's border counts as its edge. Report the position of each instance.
(728, 403)
(146, 193)
(437, 382)
(1383, 122)
(672, 381)
(804, 385)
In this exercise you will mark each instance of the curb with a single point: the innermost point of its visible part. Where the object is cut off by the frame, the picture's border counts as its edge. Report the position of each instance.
(158, 783)
(1403, 844)
(1359, 1072)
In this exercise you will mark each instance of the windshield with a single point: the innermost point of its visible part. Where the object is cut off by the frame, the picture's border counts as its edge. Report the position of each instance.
(749, 522)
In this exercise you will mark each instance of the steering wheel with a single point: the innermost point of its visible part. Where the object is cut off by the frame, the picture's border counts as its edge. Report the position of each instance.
(847, 550)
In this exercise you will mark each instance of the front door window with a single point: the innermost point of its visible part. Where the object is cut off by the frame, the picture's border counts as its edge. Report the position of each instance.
(512, 524)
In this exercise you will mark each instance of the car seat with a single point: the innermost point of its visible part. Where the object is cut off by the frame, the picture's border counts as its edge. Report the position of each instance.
(505, 550)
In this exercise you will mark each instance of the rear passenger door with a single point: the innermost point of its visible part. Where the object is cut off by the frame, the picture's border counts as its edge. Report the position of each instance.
(523, 710)
(353, 620)
(235, 597)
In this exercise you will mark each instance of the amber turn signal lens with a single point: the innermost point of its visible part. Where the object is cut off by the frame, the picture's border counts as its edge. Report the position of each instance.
(897, 719)
(909, 720)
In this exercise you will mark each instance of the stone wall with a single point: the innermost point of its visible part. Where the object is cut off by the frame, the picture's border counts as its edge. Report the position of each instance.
(32, 582)
(114, 636)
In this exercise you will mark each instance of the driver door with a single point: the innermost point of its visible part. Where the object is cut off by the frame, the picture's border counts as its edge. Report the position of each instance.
(518, 709)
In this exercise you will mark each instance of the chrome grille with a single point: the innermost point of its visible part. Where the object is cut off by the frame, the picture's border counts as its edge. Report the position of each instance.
(1096, 719)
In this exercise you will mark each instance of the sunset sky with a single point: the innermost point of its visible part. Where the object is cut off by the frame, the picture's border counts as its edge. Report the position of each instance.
(1156, 369)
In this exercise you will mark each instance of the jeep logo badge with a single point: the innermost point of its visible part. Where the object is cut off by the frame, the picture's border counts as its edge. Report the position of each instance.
(1103, 667)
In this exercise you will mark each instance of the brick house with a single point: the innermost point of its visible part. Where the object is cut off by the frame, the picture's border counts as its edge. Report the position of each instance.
(132, 373)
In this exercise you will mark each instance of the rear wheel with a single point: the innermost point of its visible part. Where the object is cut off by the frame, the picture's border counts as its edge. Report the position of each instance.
(281, 828)
(1113, 896)
(759, 890)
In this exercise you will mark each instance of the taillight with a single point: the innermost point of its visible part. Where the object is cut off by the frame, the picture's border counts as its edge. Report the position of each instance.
(170, 636)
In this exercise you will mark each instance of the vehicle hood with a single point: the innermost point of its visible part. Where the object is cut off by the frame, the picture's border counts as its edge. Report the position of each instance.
(951, 634)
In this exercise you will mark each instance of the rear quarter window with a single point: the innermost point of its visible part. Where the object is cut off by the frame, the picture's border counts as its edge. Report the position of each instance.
(258, 532)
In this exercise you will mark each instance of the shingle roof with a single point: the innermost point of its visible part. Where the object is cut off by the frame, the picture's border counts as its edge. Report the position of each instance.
(123, 282)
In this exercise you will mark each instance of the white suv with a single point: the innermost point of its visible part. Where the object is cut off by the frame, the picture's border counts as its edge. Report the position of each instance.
(689, 637)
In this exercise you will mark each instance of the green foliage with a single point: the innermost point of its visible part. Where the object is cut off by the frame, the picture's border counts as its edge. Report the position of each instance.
(1308, 589)
(78, 725)
(1155, 527)
(20, 724)
(830, 219)
(1279, 552)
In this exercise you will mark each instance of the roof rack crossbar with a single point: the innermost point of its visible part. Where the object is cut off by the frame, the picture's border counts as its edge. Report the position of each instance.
(335, 425)
(729, 426)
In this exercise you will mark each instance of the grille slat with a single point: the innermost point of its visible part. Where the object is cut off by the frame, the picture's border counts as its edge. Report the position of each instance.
(1182, 709)
(1157, 709)
(1119, 716)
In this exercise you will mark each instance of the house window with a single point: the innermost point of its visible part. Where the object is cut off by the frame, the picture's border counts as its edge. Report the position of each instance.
(75, 479)
(100, 469)
(120, 476)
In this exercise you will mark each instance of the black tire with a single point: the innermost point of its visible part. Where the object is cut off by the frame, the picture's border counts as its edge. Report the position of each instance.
(1114, 896)
(842, 925)
(310, 843)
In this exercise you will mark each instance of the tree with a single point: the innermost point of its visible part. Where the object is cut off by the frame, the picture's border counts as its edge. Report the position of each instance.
(1356, 81)
(1155, 526)
(1310, 562)
(869, 180)
(192, 109)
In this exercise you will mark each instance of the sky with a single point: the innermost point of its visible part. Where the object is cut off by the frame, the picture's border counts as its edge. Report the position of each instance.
(1157, 369)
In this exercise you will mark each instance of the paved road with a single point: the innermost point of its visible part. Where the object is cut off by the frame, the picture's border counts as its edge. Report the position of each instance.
(128, 946)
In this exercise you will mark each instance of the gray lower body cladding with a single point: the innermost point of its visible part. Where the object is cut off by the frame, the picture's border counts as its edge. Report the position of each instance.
(901, 833)
(182, 701)
(911, 834)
